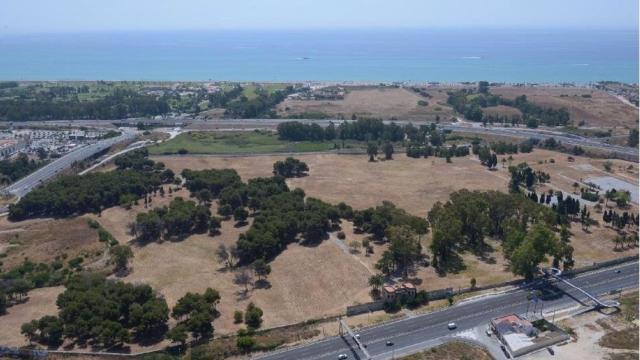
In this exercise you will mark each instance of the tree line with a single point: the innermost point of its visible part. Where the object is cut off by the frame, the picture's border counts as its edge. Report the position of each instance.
(260, 106)
(470, 103)
(361, 130)
(74, 194)
(117, 105)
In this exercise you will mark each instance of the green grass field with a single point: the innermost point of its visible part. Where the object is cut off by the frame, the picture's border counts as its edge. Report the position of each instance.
(237, 143)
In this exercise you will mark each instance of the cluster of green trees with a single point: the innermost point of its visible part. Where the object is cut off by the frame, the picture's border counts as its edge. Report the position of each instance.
(136, 177)
(415, 150)
(470, 103)
(282, 218)
(523, 174)
(502, 148)
(361, 130)
(220, 99)
(16, 282)
(465, 220)
(620, 197)
(260, 106)
(290, 167)
(280, 215)
(74, 194)
(15, 169)
(119, 104)
(101, 311)
(620, 221)
(376, 220)
(177, 221)
(404, 251)
(195, 314)
(486, 157)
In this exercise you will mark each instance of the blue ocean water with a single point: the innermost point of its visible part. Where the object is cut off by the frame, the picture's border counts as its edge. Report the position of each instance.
(444, 55)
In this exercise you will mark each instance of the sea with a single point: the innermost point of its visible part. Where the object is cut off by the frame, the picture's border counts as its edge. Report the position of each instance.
(443, 55)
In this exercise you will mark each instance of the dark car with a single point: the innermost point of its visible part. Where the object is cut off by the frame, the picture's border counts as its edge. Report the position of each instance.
(389, 343)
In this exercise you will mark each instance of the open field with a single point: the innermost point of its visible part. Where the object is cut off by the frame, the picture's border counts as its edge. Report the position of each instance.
(598, 109)
(312, 282)
(384, 103)
(41, 240)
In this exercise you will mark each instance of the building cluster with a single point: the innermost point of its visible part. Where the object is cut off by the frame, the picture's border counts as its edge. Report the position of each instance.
(52, 141)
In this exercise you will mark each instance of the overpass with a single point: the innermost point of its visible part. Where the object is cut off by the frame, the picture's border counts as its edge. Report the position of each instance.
(556, 274)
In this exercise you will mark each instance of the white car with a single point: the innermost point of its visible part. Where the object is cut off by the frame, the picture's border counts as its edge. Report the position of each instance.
(452, 325)
(342, 356)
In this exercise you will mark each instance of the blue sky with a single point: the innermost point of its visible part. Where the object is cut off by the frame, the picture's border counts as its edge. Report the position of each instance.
(38, 16)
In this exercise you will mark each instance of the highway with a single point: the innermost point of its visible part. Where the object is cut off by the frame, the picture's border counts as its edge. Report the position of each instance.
(408, 332)
(23, 186)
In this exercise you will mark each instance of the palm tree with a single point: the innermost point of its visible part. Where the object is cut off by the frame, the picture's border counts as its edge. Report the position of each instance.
(376, 281)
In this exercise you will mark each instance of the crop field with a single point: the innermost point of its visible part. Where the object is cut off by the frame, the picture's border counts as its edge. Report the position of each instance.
(384, 103)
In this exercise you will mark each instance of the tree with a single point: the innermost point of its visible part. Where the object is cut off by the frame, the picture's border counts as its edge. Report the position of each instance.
(214, 225)
(290, 167)
(472, 282)
(372, 151)
(405, 247)
(243, 277)
(539, 242)
(387, 148)
(223, 255)
(245, 343)
(178, 334)
(237, 317)
(3, 302)
(225, 211)
(253, 316)
(240, 215)
(261, 268)
(120, 255)
(376, 282)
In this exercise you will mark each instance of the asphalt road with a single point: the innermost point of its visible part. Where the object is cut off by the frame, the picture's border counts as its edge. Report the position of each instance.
(467, 315)
(23, 186)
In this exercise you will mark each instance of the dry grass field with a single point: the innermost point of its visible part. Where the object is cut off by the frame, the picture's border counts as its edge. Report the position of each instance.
(599, 110)
(39, 303)
(413, 184)
(41, 240)
(384, 103)
(306, 282)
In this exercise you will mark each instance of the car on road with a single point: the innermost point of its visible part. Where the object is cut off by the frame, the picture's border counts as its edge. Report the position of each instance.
(389, 343)
(489, 332)
(452, 325)
(343, 356)
(618, 271)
